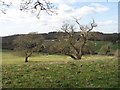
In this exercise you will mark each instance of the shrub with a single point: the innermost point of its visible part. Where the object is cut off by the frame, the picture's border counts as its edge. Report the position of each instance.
(105, 49)
(117, 53)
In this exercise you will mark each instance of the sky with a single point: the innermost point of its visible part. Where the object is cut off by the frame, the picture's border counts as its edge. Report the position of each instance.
(104, 13)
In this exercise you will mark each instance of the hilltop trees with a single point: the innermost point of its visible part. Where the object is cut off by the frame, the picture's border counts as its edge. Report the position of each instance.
(77, 42)
(27, 44)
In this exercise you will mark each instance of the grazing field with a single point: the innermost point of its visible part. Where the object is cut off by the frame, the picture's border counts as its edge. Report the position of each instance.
(58, 71)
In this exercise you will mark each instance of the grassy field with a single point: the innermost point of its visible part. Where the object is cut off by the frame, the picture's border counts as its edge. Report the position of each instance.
(51, 71)
(9, 57)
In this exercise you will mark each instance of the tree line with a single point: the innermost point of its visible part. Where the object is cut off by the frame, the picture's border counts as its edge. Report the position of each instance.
(7, 41)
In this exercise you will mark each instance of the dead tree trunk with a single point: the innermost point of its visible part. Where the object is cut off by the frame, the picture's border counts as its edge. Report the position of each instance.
(27, 56)
(26, 59)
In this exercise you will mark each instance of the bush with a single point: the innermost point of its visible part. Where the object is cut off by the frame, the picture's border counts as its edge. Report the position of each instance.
(117, 53)
(88, 50)
(105, 49)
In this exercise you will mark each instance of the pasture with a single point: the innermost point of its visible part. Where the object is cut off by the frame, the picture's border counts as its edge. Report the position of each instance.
(59, 71)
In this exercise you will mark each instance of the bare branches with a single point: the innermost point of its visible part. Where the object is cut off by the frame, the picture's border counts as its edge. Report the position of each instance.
(4, 6)
(86, 28)
(33, 6)
(93, 24)
(65, 28)
(70, 31)
(25, 5)
(68, 28)
(77, 21)
(36, 6)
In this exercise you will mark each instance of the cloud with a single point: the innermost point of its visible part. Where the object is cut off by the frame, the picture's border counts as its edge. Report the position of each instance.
(66, 12)
(65, 1)
(99, 7)
(85, 10)
(107, 26)
(106, 22)
(65, 8)
(27, 22)
(93, 8)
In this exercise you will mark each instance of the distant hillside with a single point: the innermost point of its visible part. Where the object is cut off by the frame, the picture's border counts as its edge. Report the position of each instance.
(97, 36)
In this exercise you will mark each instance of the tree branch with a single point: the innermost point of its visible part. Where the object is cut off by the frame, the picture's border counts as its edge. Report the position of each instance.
(38, 6)
(4, 6)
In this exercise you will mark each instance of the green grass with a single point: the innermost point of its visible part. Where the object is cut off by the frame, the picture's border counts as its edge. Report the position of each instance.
(9, 57)
(51, 71)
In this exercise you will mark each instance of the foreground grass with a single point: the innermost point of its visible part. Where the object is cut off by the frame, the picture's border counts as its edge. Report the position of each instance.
(53, 71)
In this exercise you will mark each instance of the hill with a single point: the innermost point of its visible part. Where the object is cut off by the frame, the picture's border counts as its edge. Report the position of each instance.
(7, 41)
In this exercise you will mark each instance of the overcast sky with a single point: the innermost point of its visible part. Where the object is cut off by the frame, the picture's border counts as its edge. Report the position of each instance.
(104, 13)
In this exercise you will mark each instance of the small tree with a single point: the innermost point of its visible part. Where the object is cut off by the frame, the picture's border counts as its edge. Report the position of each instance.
(77, 41)
(27, 44)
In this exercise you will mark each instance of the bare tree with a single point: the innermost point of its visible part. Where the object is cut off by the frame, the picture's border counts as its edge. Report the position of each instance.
(77, 42)
(27, 44)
